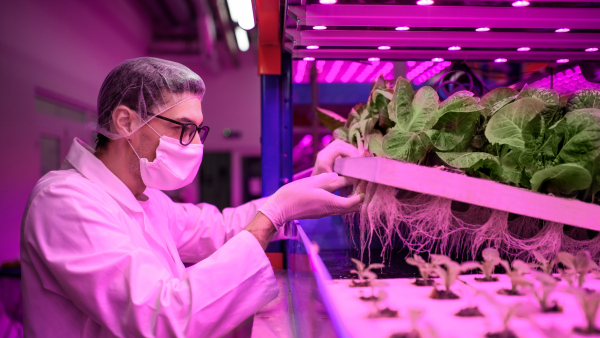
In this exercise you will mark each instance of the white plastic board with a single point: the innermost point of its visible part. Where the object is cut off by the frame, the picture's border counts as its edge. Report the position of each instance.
(470, 190)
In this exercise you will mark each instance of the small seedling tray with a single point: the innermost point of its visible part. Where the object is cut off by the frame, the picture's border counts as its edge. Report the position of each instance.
(481, 192)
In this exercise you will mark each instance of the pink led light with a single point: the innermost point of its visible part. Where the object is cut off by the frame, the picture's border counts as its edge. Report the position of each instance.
(425, 2)
(365, 73)
(592, 49)
(319, 28)
(312, 47)
(437, 60)
(410, 63)
(500, 60)
(326, 139)
(454, 48)
(384, 47)
(482, 29)
(385, 70)
(327, 2)
(523, 49)
(562, 60)
(562, 30)
(300, 71)
(373, 59)
(309, 58)
(402, 28)
(520, 3)
(333, 71)
(350, 72)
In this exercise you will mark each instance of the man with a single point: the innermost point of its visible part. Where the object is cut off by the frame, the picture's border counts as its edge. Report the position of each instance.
(102, 247)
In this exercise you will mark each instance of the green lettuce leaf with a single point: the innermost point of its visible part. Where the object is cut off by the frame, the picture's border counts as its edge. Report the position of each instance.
(563, 179)
(515, 124)
(454, 130)
(551, 112)
(330, 119)
(376, 143)
(424, 107)
(406, 146)
(341, 133)
(584, 98)
(481, 163)
(496, 99)
(581, 136)
(401, 102)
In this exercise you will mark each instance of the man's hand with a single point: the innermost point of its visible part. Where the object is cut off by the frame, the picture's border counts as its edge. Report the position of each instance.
(262, 228)
(327, 156)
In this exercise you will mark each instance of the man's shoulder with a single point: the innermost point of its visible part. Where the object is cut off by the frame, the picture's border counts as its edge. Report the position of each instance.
(64, 183)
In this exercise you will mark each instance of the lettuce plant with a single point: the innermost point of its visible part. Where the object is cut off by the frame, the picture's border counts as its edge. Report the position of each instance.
(547, 284)
(589, 302)
(449, 270)
(515, 273)
(491, 258)
(581, 264)
(381, 312)
(426, 269)
(507, 313)
(544, 264)
(365, 275)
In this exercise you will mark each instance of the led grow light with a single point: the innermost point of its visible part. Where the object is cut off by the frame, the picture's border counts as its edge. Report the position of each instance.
(241, 36)
(425, 2)
(384, 47)
(333, 71)
(241, 12)
(520, 3)
(312, 47)
(350, 72)
(300, 71)
(562, 60)
(562, 30)
(454, 48)
(327, 2)
(523, 49)
(402, 28)
(437, 60)
(500, 60)
(319, 28)
(373, 59)
(592, 49)
(309, 58)
(482, 29)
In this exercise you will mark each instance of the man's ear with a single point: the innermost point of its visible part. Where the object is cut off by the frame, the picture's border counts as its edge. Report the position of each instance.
(124, 120)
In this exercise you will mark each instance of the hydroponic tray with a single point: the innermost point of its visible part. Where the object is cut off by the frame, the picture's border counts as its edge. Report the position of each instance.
(481, 192)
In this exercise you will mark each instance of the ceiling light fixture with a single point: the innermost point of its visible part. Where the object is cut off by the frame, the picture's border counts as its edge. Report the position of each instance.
(500, 60)
(312, 47)
(562, 60)
(482, 29)
(241, 37)
(454, 48)
(327, 2)
(520, 3)
(402, 28)
(523, 49)
(591, 49)
(241, 12)
(437, 60)
(384, 47)
(309, 58)
(425, 2)
(373, 59)
(562, 30)
(319, 28)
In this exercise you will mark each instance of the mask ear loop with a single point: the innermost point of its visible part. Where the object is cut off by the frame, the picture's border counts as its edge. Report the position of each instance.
(153, 129)
(136, 154)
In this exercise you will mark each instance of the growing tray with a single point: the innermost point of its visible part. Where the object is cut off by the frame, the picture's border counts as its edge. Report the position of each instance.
(470, 190)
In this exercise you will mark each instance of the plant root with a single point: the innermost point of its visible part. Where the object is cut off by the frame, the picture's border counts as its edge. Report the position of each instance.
(508, 292)
(355, 284)
(411, 334)
(443, 294)
(384, 313)
(554, 308)
(587, 330)
(424, 282)
(501, 334)
(470, 312)
(487, 279)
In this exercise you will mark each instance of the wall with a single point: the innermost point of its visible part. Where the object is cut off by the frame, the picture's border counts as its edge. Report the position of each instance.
(66, 47)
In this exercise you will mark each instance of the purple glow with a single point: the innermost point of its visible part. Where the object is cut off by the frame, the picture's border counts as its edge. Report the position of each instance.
(312, 47)
(437, 60)
(373, 59)
(568, 82)
(591, 49)
(309, 58)
(384, 47)
(350, 72)
(425, 2)
(410, 63)
(327, 2)
(482, 29)
(333, 71)
(326, 139)
(523, 49)
(562, 30)
(500, 60)
(454, 48)
(520, 3)
(402, 28)
(562, 60)
(306, 140)
(319, 28)
(365, 73)
(385, 71)
(300, 70)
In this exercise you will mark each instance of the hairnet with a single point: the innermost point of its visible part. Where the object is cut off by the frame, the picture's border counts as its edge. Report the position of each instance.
(145, 85)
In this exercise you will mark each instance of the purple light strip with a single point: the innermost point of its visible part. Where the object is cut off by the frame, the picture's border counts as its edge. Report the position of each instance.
(333, 71)
(387, 68)
(567, 82)
(366, 72)
(300, 70)
(350, 72)
(431, 72)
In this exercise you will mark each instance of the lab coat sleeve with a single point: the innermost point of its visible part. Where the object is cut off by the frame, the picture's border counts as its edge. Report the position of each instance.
(201, 229)
(94, 263)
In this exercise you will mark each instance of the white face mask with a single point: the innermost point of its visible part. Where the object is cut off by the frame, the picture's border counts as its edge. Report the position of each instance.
(174, 167)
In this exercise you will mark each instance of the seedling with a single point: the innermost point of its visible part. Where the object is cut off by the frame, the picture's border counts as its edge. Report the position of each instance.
(372, 282)
(544, 264)
(507, 312)
(448, 270)
(425, 269)
(547, 285)
(363, 273)
(414, 315)
(491, 258)
(471, 310)
(379, 311)
(580, 264)
(589, 302)
(519, 268)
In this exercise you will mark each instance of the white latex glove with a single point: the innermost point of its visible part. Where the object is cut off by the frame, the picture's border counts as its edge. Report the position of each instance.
(327, 156)
(310, 197)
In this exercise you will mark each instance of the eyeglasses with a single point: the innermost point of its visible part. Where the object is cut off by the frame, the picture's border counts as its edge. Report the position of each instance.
(188, 130)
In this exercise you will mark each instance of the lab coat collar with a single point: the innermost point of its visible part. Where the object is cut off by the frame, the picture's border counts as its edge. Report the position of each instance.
(81, 157)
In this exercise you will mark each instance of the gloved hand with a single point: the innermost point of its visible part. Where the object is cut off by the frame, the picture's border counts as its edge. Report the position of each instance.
(310, 197)
(327, 156)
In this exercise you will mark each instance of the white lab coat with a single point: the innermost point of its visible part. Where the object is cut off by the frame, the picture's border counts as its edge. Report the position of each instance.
(97, 262)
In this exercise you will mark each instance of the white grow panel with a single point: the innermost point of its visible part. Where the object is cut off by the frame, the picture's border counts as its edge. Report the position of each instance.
(470, 190)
